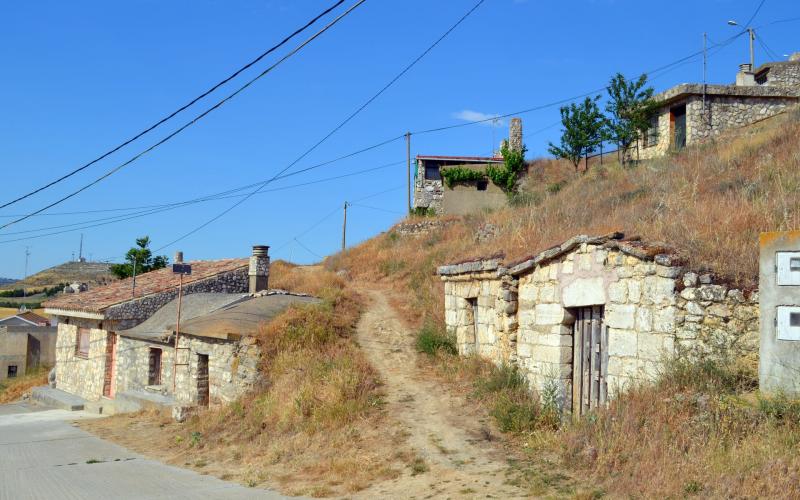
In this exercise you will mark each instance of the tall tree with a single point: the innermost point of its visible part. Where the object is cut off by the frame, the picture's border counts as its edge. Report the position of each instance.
(630, 106)
(142, 256)
(582, 133)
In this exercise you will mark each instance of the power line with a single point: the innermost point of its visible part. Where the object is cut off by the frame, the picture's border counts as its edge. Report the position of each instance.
(336, 128)
(194, 120)
(180, 109)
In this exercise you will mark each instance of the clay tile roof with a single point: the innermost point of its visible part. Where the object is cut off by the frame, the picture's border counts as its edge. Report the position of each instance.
(34, 318)
(101, 298)
(481, 159)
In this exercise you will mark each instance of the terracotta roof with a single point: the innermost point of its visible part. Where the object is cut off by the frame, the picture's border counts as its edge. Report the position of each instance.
(35, 318)
(101, 298)
(489, 159)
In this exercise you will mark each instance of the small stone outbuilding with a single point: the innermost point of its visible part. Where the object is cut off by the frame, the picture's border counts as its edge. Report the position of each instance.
(595, 315)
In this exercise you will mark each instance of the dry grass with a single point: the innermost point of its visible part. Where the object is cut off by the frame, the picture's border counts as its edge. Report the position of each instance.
(314, 426)
(15, 388)
(709, 203)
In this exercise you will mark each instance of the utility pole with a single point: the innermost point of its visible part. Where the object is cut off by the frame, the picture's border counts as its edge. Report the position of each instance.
(27, 254)
(344, 228)
(705, 67)
(408, 172)
(80, 250)
(133, 290)
(752, 53)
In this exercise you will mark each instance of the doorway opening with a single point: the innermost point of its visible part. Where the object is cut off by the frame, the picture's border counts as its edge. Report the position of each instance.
(678, 119)
(111, 360)
(202, 380)
(589, 360)
(154, 367)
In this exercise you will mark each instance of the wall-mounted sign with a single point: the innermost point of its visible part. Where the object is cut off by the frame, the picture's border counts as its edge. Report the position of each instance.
(182, 268)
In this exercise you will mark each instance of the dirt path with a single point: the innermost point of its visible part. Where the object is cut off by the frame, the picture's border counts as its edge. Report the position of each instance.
(454, 443)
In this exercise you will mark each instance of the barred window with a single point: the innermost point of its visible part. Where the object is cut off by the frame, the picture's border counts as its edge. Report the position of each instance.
(651, 136)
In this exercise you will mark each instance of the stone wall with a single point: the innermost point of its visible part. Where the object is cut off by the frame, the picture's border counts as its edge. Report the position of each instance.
(428, 193)
(131, 313)
(652, 309)
(232, 366)
(784, 74)
(77, 375)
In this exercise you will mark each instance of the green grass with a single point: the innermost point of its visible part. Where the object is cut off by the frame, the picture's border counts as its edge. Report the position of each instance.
(432, 340)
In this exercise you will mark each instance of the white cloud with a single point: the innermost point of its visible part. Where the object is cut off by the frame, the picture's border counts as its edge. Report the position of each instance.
(469, 115)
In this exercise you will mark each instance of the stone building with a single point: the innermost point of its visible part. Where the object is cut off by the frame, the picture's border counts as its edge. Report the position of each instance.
(430, 191)
(691, 113)
(594, 315)
(117, 344)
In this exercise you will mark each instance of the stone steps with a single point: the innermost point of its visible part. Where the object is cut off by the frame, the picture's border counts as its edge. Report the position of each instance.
(57, 398)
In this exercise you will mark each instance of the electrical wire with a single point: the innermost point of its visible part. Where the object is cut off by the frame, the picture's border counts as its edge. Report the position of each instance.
(335, 129)
(180, 109)
(192, 121)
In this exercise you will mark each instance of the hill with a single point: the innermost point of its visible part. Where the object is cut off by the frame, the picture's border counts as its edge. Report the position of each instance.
(6, 281)
(700, 428)
(93, 273)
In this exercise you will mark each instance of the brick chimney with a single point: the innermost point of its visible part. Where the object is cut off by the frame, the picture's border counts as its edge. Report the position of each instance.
(259, 269)
(515, 135)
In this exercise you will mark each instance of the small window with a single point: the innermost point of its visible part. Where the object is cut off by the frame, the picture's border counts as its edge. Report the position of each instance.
(651, 135)
(82, 343)
(483, 185)
(154, 369)
(794, 319)
(432, 172)
(794, 264)
(12, 371)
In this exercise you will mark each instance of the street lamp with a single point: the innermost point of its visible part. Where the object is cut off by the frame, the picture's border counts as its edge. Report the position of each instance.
(752, 33)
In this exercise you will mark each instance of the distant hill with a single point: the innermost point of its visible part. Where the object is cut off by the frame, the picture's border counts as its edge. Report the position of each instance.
(6, 281)
(93, 273)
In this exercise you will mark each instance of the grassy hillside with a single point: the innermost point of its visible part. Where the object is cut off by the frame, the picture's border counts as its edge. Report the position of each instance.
(93, 273)
(700, 431)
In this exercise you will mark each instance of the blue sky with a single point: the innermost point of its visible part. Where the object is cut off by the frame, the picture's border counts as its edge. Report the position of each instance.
(80, 77)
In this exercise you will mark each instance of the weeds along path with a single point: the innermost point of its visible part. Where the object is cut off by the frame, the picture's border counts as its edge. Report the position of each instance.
(456, 456)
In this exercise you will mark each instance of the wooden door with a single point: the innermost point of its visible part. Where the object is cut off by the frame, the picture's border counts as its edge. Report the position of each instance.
(202, 380)
(589, 361)
(110, 369)
(154, 367)
(679, 124)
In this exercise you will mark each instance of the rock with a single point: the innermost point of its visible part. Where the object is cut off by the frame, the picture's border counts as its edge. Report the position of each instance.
(180, 413)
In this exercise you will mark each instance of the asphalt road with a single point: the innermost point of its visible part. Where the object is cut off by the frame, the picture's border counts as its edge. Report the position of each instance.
(43, 456)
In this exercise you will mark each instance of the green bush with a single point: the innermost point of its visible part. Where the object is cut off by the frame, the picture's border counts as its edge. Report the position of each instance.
(422, 212)
(432, 340)
(456, 175)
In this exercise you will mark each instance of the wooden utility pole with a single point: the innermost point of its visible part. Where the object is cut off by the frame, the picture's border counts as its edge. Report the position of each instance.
(344, 228)
(408, 169)
(177, 336)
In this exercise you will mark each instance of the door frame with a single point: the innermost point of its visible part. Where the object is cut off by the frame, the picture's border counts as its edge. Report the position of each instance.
(589, 360)
(110, 372)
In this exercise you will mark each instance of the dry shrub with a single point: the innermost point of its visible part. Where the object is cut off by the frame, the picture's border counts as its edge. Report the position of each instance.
(690, 434)
(15, 388)
(302, 279)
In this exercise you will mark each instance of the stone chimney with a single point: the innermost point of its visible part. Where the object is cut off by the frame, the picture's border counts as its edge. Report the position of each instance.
(178, 257)
(515, 135)
(259, 269)
(795, 57)
(745, 77)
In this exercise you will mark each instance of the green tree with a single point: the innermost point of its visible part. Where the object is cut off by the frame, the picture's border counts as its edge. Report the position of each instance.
(630, 106)
(505, 176)
(583, 131)
(142, 256)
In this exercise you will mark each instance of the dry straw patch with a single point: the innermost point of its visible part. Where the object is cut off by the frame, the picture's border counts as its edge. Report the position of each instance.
(13, 389)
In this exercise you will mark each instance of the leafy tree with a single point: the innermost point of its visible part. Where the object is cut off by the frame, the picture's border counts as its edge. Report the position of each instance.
(630, 106)
(583, 131)
(505, 177)
(142, 257)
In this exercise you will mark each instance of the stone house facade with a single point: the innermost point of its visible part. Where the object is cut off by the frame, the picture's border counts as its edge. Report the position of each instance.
(594, 315)
(114, 340)
(692, 113)
(430, 191)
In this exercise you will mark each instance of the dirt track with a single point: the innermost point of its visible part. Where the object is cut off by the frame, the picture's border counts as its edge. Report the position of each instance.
(453, 442)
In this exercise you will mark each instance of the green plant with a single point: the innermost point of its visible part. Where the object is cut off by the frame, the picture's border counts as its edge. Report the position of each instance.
(630, 106)
(555, 187)
(582, 133)
(457, 175)
(142, 258)
(505, 177)
(195, 438)
(422, 212)
(431, 340)
(524, 199)
(418, 466)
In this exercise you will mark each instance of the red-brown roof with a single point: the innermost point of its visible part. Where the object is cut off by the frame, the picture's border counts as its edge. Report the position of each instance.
(34, 318)
(99, 299)
(491, 159)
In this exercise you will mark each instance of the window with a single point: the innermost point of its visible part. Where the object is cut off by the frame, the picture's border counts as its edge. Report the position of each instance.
(82, 343)
(12, 371)
(432, 171)
(483, 185)
(154, 369)
(651, 135)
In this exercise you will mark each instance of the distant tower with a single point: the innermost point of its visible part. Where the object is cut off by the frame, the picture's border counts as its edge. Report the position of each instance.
(80, 250)
(515, 135)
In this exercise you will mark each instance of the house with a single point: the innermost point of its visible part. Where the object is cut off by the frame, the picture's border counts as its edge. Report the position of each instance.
(690, 113)
(26, 341)
(432, 193)
(595, 315)
(120, 343)
(24, 318)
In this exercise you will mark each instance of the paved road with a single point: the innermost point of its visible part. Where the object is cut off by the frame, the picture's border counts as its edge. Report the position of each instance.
(43, 456)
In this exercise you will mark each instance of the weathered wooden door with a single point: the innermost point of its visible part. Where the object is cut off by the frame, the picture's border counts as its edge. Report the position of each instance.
(154, 367)
(589, 360)
(111, 361)
(202, 380)
(679, 124)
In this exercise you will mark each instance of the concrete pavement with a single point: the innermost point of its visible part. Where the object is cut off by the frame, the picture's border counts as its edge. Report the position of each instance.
(43, 456)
